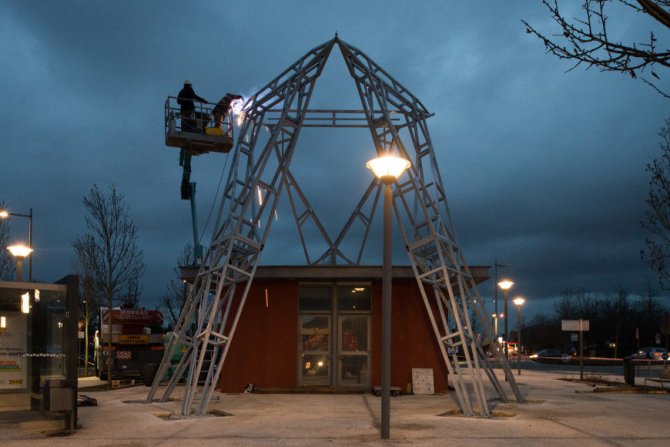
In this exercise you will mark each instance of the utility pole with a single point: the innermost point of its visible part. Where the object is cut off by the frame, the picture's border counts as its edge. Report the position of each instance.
(495, 291)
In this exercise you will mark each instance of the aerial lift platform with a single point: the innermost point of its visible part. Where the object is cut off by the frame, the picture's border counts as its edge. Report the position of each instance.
(197, 134)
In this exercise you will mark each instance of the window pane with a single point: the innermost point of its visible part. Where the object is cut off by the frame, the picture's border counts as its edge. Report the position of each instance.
(314, 367)
(355, 369)
(314, 298)
(314, 333)
(352, 298)
(354, 336)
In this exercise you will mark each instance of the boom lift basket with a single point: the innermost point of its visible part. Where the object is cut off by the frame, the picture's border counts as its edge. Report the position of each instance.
(198, 134)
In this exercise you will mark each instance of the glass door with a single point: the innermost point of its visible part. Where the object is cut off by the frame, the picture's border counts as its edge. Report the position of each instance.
(314, 336)
(354, 351)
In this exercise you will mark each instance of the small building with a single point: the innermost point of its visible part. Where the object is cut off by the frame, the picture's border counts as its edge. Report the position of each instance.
(39, 354)
(318, 328)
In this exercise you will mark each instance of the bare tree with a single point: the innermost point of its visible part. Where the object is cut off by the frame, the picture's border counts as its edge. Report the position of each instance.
(587, 40)
(7, 263)
(108, 253)
(656, 218)
(177, 290)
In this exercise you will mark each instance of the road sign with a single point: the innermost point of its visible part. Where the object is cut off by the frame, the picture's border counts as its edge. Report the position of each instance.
(574, 325)
(574, 337)
(565, 358)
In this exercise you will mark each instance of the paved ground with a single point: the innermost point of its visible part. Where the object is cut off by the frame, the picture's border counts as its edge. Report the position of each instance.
(560, 413)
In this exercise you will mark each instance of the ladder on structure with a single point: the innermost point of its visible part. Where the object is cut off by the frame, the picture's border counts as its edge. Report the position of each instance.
(261, 169)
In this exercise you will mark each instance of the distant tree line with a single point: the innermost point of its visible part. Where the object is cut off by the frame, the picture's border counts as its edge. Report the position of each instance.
(614, 321)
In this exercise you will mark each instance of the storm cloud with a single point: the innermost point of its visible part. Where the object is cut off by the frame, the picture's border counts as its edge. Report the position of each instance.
(544, 170)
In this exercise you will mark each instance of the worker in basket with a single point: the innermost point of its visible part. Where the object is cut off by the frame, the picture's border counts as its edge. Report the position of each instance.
(223, 107)
(190, 120)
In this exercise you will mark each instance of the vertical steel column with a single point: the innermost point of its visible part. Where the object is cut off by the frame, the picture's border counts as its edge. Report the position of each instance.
(386, 313)
(506, 345)
(518, 339)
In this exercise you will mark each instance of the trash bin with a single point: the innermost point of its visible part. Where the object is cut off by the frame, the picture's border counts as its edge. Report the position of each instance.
(629, 371)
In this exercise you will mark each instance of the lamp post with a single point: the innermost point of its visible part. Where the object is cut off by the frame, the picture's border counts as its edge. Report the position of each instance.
(4, 214)
(387, 169)
(505, 285)
(518, 301)
(19, 251)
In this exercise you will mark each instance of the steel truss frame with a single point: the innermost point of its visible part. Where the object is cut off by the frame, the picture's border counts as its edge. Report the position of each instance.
(216, 300)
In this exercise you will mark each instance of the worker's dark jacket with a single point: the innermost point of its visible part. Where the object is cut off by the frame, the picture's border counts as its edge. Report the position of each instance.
(186, 97)
(224, 104)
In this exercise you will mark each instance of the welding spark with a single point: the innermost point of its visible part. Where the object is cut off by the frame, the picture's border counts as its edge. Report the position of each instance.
(237, 109)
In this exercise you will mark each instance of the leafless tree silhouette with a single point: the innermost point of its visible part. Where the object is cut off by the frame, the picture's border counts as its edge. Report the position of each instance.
(588, 40)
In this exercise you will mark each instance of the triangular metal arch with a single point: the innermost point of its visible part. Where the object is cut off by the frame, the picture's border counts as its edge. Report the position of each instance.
(255, 182)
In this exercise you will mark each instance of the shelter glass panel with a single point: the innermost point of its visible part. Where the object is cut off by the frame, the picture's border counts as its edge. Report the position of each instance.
(35, 340)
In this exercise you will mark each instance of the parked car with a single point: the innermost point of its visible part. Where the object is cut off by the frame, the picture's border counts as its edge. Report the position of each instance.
(548, 352)
(651, 353)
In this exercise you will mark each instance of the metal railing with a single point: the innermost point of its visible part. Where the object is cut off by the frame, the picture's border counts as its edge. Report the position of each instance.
(199, 120)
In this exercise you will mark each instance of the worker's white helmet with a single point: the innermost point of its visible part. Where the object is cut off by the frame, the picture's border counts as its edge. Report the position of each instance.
(187, 82)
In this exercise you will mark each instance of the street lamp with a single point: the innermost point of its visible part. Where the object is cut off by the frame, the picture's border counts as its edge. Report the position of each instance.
(518, 301)
(4, 214)
(19, 251)
(387, 169)
(505, 285)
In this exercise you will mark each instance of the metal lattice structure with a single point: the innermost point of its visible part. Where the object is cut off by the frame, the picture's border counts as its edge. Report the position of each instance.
(260, 173)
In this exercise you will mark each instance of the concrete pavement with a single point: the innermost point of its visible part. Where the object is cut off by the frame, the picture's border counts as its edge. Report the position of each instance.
(559, 413)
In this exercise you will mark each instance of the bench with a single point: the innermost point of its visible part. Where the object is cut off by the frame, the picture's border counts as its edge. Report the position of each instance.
(394, 391)
(664, 378)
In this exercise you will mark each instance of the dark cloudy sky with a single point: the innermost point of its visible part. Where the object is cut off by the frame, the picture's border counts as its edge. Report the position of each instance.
(545, 170)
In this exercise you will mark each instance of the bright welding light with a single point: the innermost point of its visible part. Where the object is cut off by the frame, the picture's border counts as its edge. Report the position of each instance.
(237, 105)
(25, 303)
(236, 108)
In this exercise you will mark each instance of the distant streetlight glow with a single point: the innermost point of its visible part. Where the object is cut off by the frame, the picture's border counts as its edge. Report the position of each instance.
(3, 322)
(20, 250)
(4, 214)
(505, 284)
(519, 300)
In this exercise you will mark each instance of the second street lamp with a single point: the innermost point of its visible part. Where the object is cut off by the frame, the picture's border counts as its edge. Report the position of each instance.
(505, 285)
(518, 301)
(387, 169)
(4, 214)
(19, 251)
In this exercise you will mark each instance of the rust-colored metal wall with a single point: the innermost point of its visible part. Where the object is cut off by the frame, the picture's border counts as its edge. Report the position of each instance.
(413, 343)
(265, 347)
